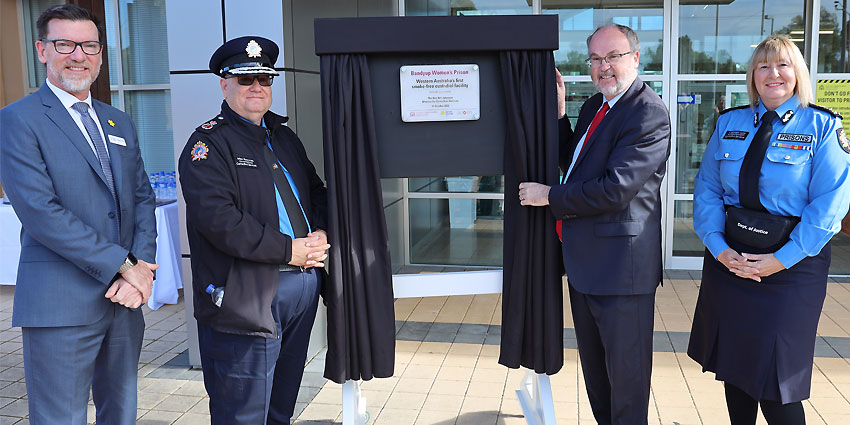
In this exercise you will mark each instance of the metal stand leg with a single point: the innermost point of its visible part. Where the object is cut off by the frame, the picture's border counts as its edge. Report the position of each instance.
(353, 404)
(535, 397)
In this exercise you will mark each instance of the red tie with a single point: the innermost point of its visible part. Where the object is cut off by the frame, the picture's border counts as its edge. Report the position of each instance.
(593, 124)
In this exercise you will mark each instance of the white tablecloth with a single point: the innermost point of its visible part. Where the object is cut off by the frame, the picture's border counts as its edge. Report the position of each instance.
(10, 244)
(168, 276)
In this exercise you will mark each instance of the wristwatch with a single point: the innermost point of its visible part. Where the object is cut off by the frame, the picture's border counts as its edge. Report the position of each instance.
(128, 263)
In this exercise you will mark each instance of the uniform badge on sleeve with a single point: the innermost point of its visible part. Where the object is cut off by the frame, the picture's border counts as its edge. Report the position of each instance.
(200, 151)
(842, 140)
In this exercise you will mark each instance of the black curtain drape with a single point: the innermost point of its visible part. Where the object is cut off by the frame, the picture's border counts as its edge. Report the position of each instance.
(532, 292)
(358, 294)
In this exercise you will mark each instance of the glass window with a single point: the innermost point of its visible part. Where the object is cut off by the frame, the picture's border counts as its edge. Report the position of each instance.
(697, 109)
(456, 231)
(833, 53)
(686, 243)
(466, 7)
(32, 10)
(576, 23)
(151, 111)
(144, 59)
(719, 37)
(459, 184)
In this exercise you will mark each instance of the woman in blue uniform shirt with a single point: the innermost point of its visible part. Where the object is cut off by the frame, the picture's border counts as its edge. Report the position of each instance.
(757, 314)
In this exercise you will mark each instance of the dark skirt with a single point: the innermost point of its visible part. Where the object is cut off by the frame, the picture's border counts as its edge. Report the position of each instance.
(760, 337)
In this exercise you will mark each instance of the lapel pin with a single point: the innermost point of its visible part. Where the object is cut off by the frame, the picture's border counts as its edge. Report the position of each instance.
(111, 123)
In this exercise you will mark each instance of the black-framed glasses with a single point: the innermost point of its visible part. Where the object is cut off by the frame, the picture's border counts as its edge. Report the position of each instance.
(248, 80)
(612, 59)
(66, 47)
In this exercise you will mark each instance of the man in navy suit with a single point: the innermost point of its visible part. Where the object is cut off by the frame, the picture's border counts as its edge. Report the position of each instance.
(610, 207)
(72, 169)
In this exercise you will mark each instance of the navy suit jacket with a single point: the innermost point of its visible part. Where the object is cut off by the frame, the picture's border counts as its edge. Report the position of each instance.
(611, 203)
(71, 247)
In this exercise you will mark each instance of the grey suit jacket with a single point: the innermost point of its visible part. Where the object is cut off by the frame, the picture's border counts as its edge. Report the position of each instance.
(71, 246)
(611, 203)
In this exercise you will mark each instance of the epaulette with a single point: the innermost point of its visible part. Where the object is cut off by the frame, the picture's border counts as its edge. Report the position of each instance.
(835, 114)
(210, 125)
(734, 108)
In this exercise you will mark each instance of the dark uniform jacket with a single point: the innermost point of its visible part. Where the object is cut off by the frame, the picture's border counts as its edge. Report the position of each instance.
(232, 217)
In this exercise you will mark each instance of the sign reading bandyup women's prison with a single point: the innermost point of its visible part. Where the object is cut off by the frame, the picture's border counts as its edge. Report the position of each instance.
(440, 93)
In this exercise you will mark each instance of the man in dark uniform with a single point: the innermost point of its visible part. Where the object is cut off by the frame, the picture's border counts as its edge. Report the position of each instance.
(255, 208)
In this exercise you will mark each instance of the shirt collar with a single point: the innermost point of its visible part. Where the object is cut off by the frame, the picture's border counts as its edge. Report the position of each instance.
(614, 100)
(67, 99)
(792, 104)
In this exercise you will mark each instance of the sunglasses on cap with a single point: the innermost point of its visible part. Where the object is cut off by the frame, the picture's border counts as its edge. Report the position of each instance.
(248, 80)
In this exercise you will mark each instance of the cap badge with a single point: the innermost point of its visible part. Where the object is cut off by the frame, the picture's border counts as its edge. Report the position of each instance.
(253, 49)
(200, 151)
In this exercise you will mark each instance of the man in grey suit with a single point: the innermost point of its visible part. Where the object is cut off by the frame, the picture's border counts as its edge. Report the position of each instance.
(610, 207)
(72, 169)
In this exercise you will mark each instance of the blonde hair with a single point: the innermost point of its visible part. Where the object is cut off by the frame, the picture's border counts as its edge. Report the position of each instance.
(771, 49)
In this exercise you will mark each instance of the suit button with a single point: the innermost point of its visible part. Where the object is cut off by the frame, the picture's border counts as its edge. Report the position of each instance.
(111, 214)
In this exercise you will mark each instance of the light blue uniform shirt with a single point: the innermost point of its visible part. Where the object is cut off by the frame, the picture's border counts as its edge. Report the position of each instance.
(804, 174)
(283, 218)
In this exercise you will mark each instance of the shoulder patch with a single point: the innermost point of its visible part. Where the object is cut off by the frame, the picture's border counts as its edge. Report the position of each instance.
(210, 125)
(200, 151)
(835, 114)
(734, 108)
(842, 139)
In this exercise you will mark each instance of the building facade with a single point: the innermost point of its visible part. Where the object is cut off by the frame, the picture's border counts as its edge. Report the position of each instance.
(694, 54)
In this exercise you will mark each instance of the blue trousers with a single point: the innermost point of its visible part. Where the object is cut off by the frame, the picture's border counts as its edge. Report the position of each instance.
(614, 338)
(62, 364)
(253, 380)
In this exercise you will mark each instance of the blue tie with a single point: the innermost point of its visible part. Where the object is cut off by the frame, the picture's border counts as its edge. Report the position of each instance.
(99, 146)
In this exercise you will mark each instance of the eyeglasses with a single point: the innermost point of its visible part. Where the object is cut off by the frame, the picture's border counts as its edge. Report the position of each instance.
(612, 60)
(248, 80)
(66, 47)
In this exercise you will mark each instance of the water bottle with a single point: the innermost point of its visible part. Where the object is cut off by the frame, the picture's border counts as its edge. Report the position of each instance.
(152, 179)
(172, 186)
(162, 184)
(217, 294)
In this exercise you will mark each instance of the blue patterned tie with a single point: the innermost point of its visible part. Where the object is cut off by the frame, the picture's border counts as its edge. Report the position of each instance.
(99, 146)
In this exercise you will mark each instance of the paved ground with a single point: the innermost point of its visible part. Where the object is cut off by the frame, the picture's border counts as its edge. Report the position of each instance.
(447, 371)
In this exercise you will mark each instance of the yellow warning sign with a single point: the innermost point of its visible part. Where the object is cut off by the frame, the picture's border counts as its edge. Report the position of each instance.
(835, 95)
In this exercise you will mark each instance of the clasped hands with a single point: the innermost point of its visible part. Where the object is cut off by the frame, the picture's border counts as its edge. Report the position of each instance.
(133, 288)
(750, 266)
(310, 251)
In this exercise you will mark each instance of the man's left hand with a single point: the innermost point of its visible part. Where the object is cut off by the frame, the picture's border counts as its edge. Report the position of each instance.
(533, 194)
(318, 238)
(122, 292)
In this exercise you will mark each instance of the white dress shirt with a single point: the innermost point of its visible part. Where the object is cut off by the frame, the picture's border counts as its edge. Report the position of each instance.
(69, 100)
(581, 142)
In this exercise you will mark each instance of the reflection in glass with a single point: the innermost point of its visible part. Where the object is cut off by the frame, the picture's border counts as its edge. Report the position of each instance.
(696, 124)
(719, 37)
(686, 243)
(576, 21)
(579, 91)
(459, 184)
(456, 231)
(151, 111)
(143, 36)
(833, 53)
(466, 7)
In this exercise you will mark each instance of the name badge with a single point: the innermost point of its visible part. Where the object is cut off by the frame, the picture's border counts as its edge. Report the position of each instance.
(117, 140)
(797, 138)
(245, 162)
(737, 135)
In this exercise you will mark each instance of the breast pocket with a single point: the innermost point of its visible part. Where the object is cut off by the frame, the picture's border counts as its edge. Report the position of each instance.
(729, 155)
(787, 156)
